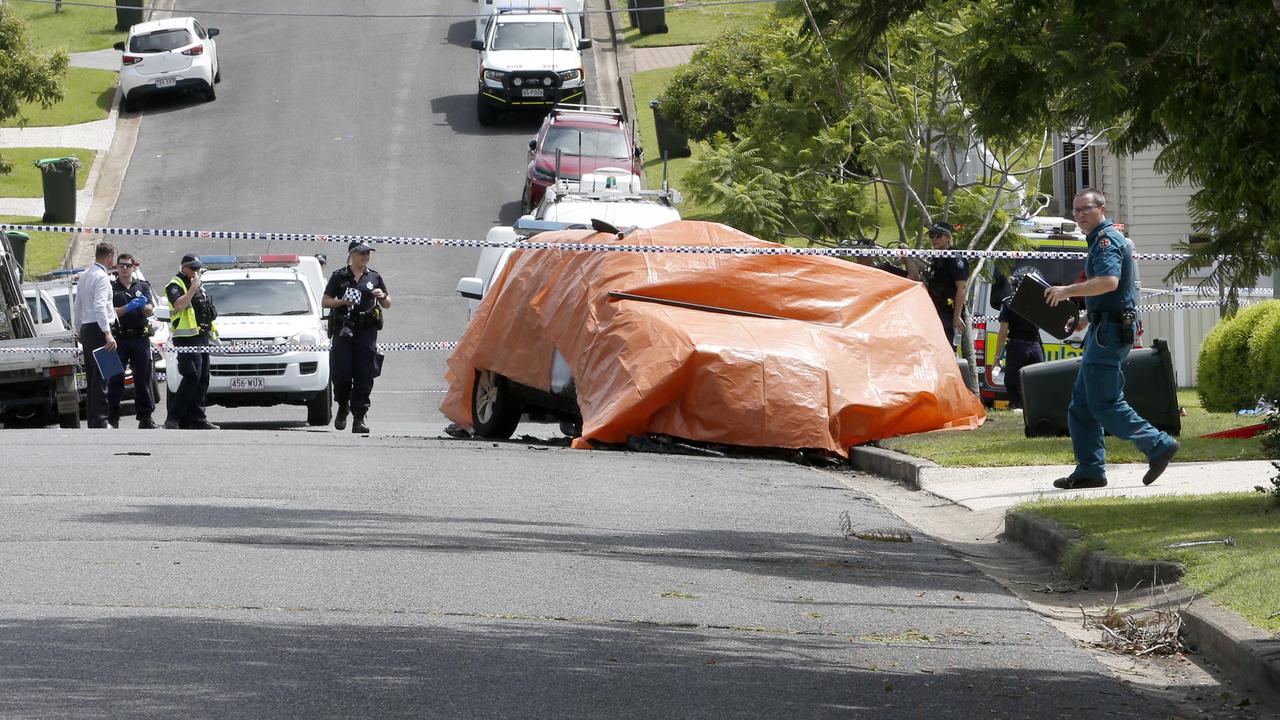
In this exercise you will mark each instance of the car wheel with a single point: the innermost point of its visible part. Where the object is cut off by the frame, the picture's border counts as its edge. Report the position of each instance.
(320, 409)
(128, 105)
(526, 198)
(217, 75)
(69, 421)
(485, 112)
(495, 411)
(210, 94)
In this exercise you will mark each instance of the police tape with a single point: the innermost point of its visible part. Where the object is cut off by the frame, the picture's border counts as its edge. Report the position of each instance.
(228, 349)
(412, 241)
(1149, 308)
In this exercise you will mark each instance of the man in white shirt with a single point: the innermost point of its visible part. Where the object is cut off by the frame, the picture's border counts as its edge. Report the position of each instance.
(92, 316)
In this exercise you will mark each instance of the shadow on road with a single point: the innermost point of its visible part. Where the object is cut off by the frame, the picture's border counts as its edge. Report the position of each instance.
(459, 112)
(461, 34)
(143, 666)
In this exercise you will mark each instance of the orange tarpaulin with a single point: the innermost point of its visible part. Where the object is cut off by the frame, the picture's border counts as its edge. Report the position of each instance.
(852, 353)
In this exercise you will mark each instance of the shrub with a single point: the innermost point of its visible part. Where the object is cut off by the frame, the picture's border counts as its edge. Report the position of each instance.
(1227, 379)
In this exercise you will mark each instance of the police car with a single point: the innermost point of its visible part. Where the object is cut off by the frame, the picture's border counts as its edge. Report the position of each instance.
(528, 59)
(266, 300)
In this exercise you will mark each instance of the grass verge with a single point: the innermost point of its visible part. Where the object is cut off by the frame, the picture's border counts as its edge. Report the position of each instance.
(26, 182)
(45, 250)
(74, 28)
(695, 26)
(86, 96)
(646, 86)
(1243, 578)
(1000, 441)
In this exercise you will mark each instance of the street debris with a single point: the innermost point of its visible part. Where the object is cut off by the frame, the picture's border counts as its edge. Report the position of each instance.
(1140, 633)
(134, 452)
(874, 534)
(1228, 541)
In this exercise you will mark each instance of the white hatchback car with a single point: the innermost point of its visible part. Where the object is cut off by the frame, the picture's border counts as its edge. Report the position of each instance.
(172, 55)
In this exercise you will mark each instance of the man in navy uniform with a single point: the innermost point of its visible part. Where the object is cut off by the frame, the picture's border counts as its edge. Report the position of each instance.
(356, 296)
(946, 282)
(133, 304)
(1097, 398)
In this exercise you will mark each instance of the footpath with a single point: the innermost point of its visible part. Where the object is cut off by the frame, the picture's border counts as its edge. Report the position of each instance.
(1247, 654)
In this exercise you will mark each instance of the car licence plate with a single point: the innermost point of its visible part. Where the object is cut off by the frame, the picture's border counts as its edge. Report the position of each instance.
(166, 82)
(531, 92)
(82, 381)
(247, 383)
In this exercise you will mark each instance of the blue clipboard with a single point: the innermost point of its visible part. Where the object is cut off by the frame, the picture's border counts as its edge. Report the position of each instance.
(109, 364)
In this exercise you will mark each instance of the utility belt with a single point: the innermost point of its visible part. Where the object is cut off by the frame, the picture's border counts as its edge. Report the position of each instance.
(1126, 319)
(141, 332)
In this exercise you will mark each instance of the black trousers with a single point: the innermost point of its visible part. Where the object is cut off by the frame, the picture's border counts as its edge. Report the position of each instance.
(351, 369)
(135, 354)
(1019, 354)
(92, 338)
(187, 407)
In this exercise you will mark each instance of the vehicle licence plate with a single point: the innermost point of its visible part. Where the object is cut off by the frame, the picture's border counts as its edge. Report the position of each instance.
(531, 92)
(82, 381)
(247, 383)
(166, 82)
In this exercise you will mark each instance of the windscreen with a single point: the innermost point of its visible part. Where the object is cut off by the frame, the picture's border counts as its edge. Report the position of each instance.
(39, 311)
(588, 142)
(531, 36)
(240, 298)
(160, 41)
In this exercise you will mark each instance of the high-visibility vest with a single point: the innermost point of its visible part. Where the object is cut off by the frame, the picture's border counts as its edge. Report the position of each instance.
(183, 323)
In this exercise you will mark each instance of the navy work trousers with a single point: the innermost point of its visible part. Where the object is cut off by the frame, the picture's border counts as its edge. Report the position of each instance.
(1098, 404)
(351, 368)
(92, 338)
(187, 407)
(135, 354)
(1017, 355)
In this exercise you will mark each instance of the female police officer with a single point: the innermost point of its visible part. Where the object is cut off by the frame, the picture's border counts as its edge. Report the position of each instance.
(356, 295)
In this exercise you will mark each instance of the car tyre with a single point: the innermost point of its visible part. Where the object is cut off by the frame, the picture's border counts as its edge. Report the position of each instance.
(128, 105)
(69, 421)
(320, 408)
(526, 198)
(485, 112)
(210, 94)
(495, 410)
(217, 75)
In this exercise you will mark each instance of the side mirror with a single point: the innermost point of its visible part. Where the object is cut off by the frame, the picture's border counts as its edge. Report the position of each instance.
(639, 152)
(213, 32)
(471, 288)
(477, 45)
(533, 143)
(584, 44)
(119, 46)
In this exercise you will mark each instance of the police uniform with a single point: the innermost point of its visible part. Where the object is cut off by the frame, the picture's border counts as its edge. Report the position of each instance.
(944, 273)
(353, 358)
(132, 331)
(192, 327)
(1022, 348)
(1097, 398)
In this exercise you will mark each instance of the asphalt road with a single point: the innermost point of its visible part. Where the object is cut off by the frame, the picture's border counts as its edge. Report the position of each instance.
(337, 125)
(282, 574)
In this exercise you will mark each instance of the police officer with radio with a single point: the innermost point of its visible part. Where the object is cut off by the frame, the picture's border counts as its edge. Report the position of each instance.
(946, 280)
(356, 295)
(1097, 398)
(191, 319)
(134, 304)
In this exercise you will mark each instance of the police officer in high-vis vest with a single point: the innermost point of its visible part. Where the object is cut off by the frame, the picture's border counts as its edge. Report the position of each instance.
(1097, 398)
(356, 296)
(191, 316)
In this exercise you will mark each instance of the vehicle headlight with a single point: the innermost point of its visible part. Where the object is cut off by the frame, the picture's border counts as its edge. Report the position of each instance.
(570, 75)
(494, 75)
(542, 174)
(306, 337)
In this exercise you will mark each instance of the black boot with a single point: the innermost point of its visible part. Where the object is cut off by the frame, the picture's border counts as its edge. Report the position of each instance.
(357, 423)
(340, 418)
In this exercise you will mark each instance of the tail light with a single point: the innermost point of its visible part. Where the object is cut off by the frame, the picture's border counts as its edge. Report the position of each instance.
(196, 50)
(62, 370)
(130, 59)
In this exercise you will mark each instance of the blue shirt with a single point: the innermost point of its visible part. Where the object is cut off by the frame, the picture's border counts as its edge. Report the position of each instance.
(1110, 255)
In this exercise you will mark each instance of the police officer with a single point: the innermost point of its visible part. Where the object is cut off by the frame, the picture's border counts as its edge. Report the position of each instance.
(191, 320)
(947, 280)
(1097, 398)
(1019, 340)
(134, 304)
(356, 295)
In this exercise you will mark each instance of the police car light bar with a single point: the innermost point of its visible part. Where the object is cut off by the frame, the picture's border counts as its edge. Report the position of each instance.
(223, 262)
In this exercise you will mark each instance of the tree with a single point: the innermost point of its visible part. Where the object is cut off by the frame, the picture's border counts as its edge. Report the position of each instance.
(26, 76)
(1200, 80)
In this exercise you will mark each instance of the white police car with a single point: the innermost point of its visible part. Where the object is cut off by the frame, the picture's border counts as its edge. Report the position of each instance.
(266, 300)
(528, 59)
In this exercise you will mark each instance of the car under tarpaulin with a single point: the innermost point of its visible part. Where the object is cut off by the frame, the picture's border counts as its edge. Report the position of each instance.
(786, 351)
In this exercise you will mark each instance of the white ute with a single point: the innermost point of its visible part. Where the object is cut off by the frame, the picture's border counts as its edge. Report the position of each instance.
(528, 59)
(266, 300)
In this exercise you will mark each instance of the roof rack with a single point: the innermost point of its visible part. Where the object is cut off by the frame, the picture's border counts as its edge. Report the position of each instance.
(569, 108)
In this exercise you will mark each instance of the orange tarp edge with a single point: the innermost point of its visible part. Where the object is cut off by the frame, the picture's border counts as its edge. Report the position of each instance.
(858, 355)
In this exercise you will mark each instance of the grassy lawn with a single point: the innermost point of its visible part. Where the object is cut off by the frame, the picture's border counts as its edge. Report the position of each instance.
(1243, 578)
(1000, 441)
(75, 28)
(646, 86)
(26, 182)
(44, 250)
(86, 96)
(696, 26)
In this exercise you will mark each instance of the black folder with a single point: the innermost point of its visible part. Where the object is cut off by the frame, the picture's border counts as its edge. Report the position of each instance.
(1029, 302)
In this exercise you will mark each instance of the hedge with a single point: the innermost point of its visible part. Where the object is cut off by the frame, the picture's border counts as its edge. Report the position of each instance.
(1240, 360)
